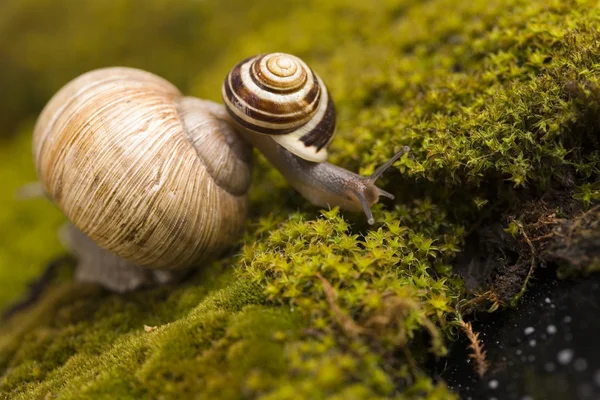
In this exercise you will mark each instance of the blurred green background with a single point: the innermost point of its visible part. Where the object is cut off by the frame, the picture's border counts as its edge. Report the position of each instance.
(45, 43)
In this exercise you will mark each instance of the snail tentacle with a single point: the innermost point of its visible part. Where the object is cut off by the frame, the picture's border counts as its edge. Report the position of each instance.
(370, 181)
(382, 168)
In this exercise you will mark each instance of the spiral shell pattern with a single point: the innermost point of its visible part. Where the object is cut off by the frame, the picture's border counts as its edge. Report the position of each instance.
(154, 177)
(279, 95)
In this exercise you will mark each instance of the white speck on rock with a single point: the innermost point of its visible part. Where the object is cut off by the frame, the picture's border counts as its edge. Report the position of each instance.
(493, 384)
(567, 319)
(547, 300)
(565, 356)
(529, 330)
(551, 329)
(532, 342)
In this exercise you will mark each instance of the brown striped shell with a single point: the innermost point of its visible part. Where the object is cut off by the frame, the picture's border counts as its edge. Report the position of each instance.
(279, 95)
(157, 178)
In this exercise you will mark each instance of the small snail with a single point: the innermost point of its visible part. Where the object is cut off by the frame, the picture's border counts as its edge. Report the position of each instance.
(153, 181)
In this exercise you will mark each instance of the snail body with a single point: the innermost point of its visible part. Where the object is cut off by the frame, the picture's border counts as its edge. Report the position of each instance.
(159, 180)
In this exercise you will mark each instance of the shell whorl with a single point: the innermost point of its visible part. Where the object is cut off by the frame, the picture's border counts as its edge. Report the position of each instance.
(156, 178)
(279, 95)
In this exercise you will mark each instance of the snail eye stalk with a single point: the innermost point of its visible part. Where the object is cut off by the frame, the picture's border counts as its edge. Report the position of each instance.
(370, 182)
(382, 168)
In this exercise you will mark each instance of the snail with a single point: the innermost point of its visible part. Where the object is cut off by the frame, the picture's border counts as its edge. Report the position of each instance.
(154, 182)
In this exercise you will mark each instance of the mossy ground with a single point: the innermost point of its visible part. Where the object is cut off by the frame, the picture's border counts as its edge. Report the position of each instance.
(499, 101)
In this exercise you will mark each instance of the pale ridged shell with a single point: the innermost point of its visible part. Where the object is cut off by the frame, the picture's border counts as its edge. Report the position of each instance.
(114, 150)
(279, 95)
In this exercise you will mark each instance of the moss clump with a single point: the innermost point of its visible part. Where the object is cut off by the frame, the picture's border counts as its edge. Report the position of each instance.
(393, 280)
(498, 101)
(85, 343)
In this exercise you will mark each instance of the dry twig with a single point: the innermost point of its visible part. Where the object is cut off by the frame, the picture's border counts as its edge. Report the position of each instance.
(531, 267)
(347, 323)
(576, 223)
(478, 353)
(489, 296)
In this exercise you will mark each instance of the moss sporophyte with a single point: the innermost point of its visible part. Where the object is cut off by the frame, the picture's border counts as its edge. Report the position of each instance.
(498, 101)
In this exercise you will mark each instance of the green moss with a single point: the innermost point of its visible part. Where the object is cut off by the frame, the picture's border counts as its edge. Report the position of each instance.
(395, 269)
(81, 337)
(498, 101)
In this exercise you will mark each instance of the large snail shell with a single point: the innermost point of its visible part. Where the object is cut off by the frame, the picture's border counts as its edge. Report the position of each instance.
(157, 178)
(279, 95)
